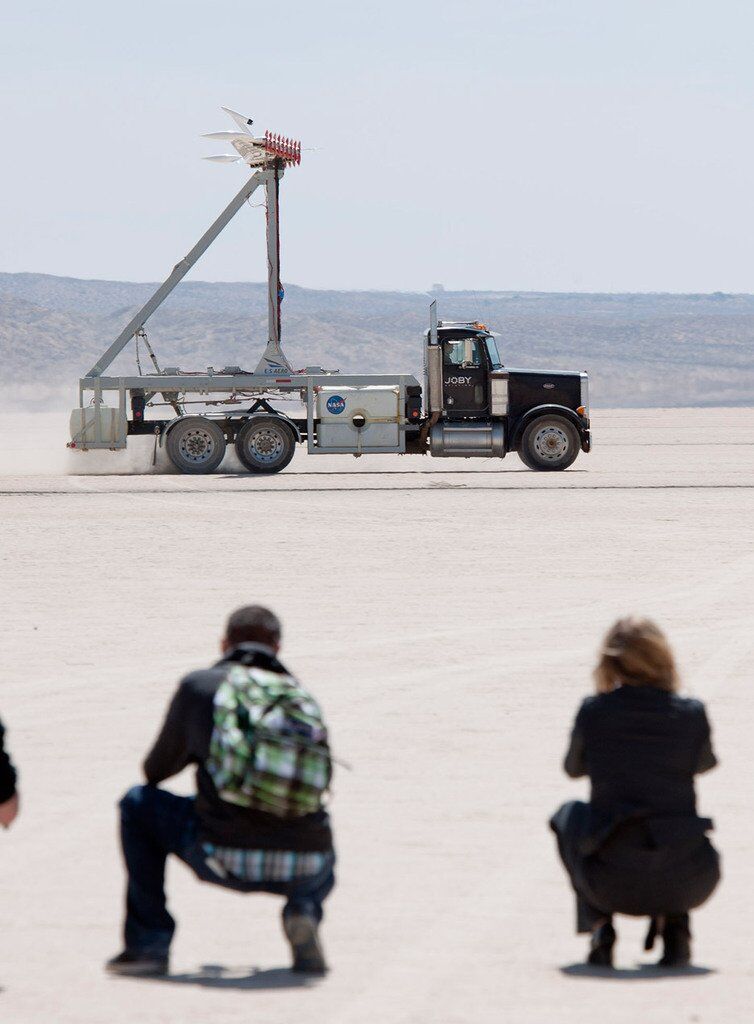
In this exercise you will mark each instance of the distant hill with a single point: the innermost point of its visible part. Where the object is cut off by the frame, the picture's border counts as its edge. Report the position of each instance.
(640, 349)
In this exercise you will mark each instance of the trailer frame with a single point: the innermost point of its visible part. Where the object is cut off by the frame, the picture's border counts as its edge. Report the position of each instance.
(305, 385)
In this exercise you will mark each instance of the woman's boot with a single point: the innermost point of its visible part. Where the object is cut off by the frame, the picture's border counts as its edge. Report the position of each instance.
(676, 936)
(601, 945)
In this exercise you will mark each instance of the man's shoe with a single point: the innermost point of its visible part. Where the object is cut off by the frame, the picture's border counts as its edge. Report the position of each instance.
(137, 965)
(676, 937)
(601, 946)
(302, 933)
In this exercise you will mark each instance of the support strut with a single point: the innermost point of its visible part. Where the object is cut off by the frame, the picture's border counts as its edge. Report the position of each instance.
(273, 360)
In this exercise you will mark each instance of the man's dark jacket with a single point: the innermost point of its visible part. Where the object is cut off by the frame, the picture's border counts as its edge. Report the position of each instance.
(185, 739)
(639, 847)
(7, 772)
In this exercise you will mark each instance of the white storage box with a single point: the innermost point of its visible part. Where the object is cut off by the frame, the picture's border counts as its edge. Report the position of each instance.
(340, 412)
(112, 426)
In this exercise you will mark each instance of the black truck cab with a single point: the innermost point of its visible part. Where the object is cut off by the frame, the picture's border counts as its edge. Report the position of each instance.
(474, 406)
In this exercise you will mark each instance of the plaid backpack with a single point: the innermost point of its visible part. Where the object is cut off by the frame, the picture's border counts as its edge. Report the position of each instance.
(268, 749)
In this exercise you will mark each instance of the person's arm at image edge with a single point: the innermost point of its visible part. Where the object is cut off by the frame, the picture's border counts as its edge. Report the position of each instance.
(8, 793)
(169, 754)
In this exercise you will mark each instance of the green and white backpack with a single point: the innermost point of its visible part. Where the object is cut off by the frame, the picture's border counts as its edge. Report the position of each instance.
(268, 749)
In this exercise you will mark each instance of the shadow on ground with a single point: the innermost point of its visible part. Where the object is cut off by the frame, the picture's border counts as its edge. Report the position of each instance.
(641, 972)
(219, 976)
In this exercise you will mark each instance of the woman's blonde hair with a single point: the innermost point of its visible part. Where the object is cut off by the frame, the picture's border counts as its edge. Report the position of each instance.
(635, 652)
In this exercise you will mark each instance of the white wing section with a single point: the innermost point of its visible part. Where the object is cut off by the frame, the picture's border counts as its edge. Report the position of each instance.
(252, 150)
(226, 136)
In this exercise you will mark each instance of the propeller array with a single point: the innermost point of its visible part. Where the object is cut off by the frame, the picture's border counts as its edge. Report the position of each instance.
(253, 151)
(287, 149)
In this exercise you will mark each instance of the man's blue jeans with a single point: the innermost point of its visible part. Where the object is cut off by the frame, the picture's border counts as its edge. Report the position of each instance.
(154, 823)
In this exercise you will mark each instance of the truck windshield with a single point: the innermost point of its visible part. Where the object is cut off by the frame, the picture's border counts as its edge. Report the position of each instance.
(493, 354)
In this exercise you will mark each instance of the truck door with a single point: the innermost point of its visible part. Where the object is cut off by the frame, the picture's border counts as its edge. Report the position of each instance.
(465, 377)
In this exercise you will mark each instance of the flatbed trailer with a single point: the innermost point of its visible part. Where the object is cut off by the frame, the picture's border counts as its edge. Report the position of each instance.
(470, 405)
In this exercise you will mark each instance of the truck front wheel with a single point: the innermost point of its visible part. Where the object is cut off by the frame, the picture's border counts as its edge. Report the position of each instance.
(265, 445)
(549, 443)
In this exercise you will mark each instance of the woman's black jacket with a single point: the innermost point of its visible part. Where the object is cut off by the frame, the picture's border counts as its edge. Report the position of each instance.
(641, 747)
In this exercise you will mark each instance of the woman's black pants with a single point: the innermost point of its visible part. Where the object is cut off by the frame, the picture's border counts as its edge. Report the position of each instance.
(629, 873)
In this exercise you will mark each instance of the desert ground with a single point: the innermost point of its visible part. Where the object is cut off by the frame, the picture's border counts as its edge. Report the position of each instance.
(447, 613)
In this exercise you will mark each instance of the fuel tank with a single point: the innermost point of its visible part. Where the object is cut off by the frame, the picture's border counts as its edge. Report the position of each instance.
(467, 440)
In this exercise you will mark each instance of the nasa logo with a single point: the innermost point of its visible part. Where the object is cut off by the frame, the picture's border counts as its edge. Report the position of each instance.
(336, 404)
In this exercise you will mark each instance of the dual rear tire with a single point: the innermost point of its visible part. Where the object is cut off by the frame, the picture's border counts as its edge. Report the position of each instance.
(196, 445)
(263, 444)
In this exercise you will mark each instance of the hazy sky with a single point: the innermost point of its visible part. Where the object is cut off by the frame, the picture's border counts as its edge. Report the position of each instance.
(513, 144)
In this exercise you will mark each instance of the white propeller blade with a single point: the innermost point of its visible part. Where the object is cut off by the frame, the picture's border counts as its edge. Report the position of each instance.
(226, 136)
(241, 120)
(224, 158)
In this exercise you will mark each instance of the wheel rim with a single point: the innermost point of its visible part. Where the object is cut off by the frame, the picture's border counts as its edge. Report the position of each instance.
(197, 446)
(265, 446)
(551, 443)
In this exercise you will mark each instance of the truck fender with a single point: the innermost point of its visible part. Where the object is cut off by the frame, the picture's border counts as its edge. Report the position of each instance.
(171, 423)
(264, 415)
(252, 416)
(541, 410)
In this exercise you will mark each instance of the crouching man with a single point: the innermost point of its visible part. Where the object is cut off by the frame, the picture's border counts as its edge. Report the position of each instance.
(257, 823)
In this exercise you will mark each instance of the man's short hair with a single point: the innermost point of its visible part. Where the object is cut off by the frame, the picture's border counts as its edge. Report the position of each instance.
(253, 624)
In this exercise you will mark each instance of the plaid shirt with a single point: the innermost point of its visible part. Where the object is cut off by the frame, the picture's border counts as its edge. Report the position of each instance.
(263, 865)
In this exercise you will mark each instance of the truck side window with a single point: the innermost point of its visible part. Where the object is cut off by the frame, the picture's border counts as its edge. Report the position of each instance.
(464, 353)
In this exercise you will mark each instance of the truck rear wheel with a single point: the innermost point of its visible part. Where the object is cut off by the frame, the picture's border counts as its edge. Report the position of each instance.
(265, 445)
(549, 443)
(196, 445)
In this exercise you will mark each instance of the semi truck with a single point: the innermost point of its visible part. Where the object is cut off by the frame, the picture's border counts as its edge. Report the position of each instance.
(469, 404)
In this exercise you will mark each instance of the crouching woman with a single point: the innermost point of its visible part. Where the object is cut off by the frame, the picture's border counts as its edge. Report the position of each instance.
(638, 847)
